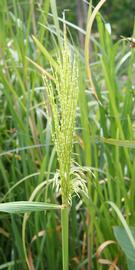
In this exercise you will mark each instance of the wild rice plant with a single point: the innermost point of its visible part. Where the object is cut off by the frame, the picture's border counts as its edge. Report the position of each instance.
(62, 96)
(105, 136)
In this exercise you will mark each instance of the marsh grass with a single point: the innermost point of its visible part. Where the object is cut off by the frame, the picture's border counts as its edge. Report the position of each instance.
(104, 134)
(62, 103)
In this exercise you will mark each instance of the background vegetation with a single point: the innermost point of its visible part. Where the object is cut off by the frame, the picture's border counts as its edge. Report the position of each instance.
(27, 153)
(115, 12)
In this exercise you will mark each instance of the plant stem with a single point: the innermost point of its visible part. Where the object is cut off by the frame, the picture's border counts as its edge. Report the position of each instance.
(64, 224)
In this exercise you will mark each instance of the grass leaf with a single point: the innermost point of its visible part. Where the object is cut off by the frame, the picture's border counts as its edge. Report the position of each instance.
(26, 206)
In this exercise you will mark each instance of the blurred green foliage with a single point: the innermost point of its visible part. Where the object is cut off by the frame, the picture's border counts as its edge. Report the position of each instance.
(119, 13)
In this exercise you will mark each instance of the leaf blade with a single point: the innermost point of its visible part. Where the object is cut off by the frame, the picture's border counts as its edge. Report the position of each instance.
(26, 206)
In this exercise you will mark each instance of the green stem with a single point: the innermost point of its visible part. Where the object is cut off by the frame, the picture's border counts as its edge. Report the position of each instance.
(64, 224)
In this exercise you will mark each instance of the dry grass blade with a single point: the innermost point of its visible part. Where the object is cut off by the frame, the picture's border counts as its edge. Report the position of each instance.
(4, 233)
(103, 246)
(30, 260)
(39, 234)
(40, 69)
(106, 261)
(113, 265)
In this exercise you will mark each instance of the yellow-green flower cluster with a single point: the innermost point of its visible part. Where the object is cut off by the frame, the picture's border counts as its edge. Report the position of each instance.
(62, 95)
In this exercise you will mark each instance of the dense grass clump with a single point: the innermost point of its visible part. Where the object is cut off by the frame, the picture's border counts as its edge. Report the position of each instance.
(66, 156)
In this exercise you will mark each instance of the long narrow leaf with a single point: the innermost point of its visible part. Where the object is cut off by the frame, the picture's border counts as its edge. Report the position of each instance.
(26, 206)
(46, 54)
(123, 143)
(87, 50)
(55, 18)
(124, 223)
(40, 69)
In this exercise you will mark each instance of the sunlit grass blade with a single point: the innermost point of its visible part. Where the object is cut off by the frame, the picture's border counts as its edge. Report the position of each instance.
(26, 206)
(8, 265)
(56, 21)
(87, 50)
(121, 143)
(46, 54)
(40, 69)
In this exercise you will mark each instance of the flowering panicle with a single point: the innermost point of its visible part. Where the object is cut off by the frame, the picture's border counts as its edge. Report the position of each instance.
(62, 95)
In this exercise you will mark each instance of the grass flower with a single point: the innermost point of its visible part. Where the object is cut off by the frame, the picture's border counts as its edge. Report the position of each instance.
(62, 96)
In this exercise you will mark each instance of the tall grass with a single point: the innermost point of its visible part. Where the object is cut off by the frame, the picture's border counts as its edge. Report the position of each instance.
(104, 143)
(63, 105)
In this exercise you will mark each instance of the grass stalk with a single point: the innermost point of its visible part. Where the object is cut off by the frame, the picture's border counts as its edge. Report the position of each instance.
(65, 233)
(62, 98)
